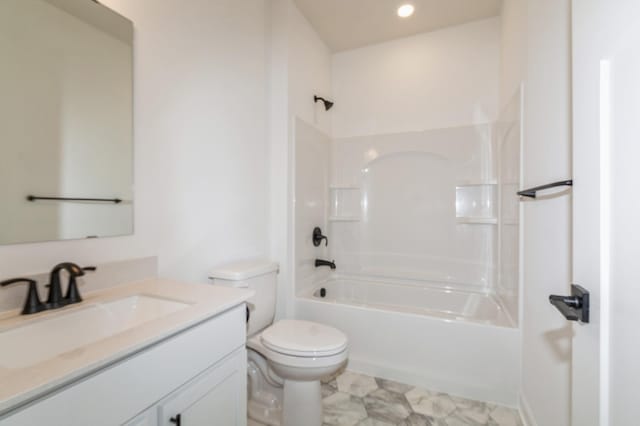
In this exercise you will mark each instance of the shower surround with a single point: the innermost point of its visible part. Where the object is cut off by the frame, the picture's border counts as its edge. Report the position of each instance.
(423, 227)
(415, 191)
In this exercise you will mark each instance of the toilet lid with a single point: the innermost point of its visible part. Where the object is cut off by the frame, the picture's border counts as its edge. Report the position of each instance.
(304, 338)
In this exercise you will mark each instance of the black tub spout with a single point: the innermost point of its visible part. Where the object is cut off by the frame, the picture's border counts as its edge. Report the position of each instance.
(320, 262)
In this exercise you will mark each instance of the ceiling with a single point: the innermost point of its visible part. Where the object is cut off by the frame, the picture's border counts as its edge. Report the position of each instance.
(348, 24)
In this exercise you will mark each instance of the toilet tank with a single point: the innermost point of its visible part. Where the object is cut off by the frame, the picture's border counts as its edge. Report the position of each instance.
(259, 275)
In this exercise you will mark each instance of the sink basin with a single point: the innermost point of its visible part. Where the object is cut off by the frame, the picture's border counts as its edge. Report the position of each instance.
(48, 337)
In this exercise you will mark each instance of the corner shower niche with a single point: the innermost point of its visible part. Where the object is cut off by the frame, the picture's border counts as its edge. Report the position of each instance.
(475, 203)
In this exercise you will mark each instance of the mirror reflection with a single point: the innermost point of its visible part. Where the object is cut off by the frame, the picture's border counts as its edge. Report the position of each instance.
(66, 143)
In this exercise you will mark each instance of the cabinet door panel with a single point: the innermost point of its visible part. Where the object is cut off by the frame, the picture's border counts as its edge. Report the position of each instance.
(148, 418)
(217, 397)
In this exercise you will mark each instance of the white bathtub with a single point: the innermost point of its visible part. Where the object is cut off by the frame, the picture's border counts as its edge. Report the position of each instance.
(454, 341)
(443, 303)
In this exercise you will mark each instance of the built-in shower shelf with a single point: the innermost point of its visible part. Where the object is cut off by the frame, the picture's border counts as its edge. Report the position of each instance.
(477, 220)
(344, 187)
(344, 219)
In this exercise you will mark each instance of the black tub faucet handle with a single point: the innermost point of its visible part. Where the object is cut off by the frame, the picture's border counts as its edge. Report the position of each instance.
(318, 237)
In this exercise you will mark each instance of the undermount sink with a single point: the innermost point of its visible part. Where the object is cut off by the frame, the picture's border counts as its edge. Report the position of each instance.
(48, 337)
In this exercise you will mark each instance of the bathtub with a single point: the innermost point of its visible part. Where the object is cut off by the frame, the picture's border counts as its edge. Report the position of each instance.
(442, 302)
(424, 334)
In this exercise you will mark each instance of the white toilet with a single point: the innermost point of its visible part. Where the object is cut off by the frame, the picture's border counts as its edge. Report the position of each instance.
(286, 360)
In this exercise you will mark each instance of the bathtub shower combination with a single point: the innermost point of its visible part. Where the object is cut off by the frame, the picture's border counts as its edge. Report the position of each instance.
(424, 230)
(458, 342)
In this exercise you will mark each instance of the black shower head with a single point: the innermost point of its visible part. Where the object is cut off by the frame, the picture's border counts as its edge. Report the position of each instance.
(327, 104)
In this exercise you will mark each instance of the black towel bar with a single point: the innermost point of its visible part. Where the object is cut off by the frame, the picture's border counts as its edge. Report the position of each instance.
(532, 192)
(97, 200)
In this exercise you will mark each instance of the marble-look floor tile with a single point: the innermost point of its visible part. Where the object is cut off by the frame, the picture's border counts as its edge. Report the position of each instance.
(387, 406)
(332, 378)
(416, 419)
(431, 404)
(391, 398)
(389, 403)
(392, 386)
(356, 384)
(342, 409)
(374, 422)
(454, 419)
(503, 416)
(328, 389)
(476, 412)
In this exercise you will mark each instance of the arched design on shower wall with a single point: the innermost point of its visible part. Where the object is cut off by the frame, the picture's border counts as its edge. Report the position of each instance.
(413, 199)
(409, 216)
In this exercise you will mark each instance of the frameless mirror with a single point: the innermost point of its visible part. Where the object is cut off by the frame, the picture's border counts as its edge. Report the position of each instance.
(66, 139)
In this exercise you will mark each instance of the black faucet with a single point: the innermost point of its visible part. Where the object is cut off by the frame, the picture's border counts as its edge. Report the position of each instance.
(54, 300)
(320, 262)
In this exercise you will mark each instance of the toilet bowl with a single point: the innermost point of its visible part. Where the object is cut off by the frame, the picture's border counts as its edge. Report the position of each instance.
(300, 353)
(286, 359)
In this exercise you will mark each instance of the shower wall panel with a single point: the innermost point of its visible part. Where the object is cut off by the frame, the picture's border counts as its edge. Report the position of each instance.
(424, 205)
(311, 186)
(508, 131)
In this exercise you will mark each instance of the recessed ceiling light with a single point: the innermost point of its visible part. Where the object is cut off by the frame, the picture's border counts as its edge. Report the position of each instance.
(405, 10)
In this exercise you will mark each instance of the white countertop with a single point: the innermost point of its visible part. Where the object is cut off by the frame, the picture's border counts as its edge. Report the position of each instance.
(20, 385)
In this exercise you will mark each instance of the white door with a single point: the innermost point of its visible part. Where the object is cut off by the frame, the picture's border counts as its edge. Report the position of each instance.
(606, 234)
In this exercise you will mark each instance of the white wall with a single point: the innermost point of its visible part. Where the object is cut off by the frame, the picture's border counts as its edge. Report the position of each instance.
(546, 354)
(309, 72)
(513, 48)
(445, 78)
(300, 66)
(201, 179)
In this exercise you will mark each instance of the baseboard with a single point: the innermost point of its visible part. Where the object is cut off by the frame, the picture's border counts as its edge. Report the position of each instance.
(525, 412)
(413, 379)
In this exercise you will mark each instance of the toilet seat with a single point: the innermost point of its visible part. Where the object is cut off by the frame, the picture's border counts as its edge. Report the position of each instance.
(303, 339)
(309, 362)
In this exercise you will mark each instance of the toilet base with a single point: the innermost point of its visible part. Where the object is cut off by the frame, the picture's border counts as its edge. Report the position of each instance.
(264, 405)
(288, 383)
(302, 403)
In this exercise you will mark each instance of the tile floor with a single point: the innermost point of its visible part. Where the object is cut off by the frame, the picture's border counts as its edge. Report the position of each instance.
(352, 399)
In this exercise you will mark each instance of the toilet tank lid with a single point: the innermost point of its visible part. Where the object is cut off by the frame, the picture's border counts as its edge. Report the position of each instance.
(243, 269)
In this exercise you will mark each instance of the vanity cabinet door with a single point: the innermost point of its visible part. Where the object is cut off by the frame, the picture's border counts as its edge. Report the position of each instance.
(148, 418)
(215, 398)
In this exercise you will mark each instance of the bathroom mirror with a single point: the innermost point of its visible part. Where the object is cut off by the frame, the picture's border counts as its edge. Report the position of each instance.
(66, 139)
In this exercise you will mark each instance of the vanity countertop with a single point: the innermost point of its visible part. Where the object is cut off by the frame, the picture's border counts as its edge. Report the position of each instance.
(21, 384)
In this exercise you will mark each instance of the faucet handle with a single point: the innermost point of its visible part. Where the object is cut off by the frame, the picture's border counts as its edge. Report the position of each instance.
(33, 304)
(318, 237)
(73, 294)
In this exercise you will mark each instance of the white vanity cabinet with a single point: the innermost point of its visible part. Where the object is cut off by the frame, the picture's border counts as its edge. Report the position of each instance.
(198, 374)
(216, 397)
